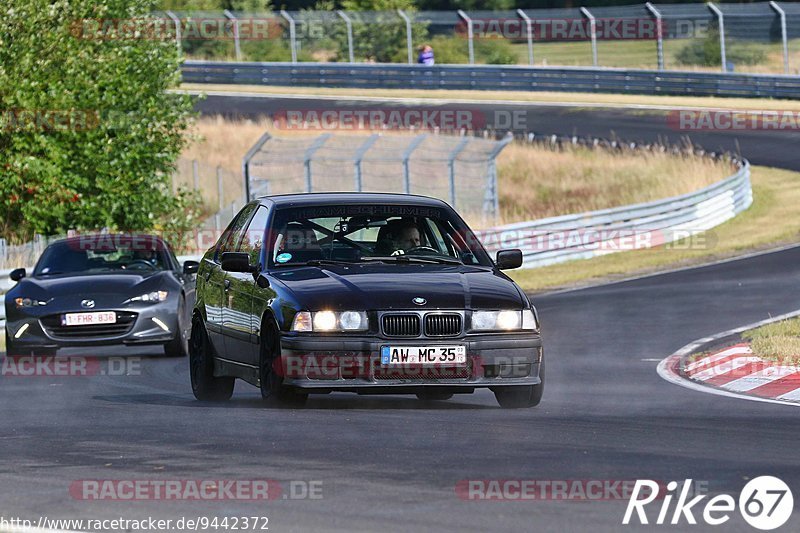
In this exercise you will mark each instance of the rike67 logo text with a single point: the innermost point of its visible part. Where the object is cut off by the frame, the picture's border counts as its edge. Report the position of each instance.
(765, 503)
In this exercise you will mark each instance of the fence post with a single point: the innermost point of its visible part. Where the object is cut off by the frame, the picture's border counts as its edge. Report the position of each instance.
(3, 251)
(409, 43)
(492, 200)
(359, 155)
(659, 34)
(349, 24)
(781, 13)
(592, 33)
(236, 45)
(470, 35)
(721, 19)
(451, 168)
(529, 26)
(246, 163)
(292, 34)
(220, 189)
(195, 174)
(316, 145)
(177, 22)
(415, 142)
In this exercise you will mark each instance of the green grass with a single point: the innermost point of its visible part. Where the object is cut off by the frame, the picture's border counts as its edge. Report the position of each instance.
(773, 219)
(779, 341)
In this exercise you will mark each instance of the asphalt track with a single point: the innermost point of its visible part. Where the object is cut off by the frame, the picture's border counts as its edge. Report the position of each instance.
(392, 463)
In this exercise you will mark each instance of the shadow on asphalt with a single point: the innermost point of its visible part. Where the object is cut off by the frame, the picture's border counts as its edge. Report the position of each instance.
(319, 403)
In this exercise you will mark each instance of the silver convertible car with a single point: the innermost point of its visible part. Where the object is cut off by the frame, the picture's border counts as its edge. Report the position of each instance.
(102, 289)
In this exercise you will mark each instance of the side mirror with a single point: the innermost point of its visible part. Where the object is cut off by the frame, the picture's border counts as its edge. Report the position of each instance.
(508, 259)
(17, 274)
(237, 262)
(190, 267)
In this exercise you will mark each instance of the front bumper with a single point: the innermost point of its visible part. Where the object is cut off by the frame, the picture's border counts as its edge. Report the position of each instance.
(39, 332)
(353, 363)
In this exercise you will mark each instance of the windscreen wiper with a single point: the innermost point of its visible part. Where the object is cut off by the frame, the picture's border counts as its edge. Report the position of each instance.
(413, 259)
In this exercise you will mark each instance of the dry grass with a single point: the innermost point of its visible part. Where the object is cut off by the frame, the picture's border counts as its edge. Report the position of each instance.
(773, 219)
(779, 341)
(534, 181)
(571, 99)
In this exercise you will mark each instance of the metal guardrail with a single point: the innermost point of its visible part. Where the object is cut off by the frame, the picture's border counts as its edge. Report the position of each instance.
(586, 235)
(492, 77)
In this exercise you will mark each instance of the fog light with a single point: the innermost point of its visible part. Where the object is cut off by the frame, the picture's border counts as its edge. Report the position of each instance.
(160, 324)
(21, 330)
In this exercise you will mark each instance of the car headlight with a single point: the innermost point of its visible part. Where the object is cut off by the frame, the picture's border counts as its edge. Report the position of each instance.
(506, 320)
(150, 297)
(330, 321)
(28, 302)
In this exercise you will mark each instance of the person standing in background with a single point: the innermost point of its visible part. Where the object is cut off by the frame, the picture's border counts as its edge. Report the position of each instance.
(425, 55)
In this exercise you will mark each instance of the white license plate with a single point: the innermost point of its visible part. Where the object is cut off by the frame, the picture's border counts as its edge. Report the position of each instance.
(423, 355)
(89, 319)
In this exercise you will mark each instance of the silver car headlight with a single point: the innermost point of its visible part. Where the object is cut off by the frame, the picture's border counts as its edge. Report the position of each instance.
(305, 321)
(150, 297)
(504, 320)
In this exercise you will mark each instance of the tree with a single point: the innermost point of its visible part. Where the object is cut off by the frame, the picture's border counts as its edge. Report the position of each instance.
(89, 134)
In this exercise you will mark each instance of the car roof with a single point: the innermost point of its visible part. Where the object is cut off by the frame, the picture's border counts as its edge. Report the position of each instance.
(322, 198)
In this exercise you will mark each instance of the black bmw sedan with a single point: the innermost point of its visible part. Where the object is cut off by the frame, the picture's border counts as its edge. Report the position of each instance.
(366, 293)
(101, 289)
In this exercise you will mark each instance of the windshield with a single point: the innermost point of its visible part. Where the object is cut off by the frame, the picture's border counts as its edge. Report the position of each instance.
(95, 255)
(385, 233)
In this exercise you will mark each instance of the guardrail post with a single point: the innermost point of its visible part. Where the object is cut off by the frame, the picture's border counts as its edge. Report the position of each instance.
(782, 14)
(409, 36)
(246, 163)
(470, 35)
(236, 45)
(359, 155)
(177, 22)
(451, 168)
(529, 32)
(415, 142)
(316, 145)
(659, 34)
(721, 19)
(349, 24)
(292, 34)
(592, 33)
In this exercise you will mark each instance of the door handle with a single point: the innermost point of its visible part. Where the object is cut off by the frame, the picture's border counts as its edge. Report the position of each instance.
(227, 284)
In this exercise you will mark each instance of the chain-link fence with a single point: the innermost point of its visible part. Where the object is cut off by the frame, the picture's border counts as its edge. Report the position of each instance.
(753, 37)
(458, 169)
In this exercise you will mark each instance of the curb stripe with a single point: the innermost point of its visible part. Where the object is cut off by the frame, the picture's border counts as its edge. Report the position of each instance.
(779, 387)
(758, 379)
(715, 359)
(725, 368)
(747, 369)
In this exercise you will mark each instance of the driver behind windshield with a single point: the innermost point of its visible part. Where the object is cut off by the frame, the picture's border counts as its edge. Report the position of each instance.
(398, 237)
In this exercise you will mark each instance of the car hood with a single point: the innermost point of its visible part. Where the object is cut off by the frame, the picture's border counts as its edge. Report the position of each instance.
(383, 286)
(65, 292)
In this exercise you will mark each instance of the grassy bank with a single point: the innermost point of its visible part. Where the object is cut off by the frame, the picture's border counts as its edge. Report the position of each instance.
(779, 341)
(772, 220)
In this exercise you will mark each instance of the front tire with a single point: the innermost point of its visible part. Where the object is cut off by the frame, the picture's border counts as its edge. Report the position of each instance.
(272, 388)
(520, 397)
(179, 346)
(205, 386)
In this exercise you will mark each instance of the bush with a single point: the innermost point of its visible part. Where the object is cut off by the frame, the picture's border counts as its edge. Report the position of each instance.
(707, 52)
(90, 171)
